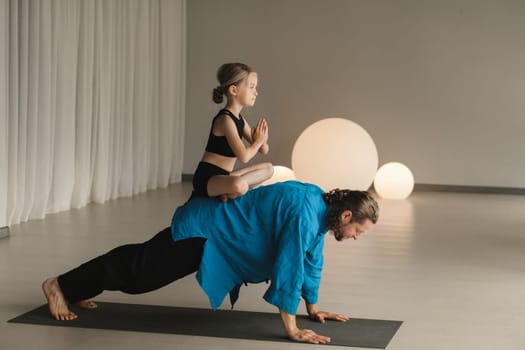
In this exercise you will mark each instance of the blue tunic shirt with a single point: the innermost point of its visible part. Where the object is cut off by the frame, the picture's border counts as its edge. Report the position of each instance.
(273, 232)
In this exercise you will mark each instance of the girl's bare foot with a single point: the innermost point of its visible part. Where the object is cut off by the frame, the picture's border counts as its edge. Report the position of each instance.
(87, 304)
(56, 301)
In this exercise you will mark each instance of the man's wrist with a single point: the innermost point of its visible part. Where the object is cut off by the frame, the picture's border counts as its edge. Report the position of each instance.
(289, 322)
(311, 309)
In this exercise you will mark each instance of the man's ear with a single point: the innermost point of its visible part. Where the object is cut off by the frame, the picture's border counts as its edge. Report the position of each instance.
(346, 216)
(232, 90)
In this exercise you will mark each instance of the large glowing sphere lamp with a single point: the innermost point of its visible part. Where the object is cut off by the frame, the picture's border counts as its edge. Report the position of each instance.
(394, 181)
(335, 153)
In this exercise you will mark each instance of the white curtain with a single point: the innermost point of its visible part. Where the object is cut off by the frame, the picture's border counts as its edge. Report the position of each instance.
(4, 66)
(91, 102)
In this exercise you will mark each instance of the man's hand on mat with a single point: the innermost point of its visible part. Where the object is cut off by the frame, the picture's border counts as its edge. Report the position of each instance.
(322, 316)
(301, 335)
(308, 336)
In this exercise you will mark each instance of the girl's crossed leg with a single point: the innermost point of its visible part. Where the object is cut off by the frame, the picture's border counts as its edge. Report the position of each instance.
(239, 181)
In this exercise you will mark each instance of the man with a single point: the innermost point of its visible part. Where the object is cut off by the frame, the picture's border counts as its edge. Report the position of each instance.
(271, 233)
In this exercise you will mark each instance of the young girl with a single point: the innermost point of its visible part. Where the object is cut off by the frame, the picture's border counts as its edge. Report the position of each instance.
(214, 175)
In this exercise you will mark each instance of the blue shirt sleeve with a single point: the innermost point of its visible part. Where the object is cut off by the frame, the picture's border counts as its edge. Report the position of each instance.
(297, 268)
(313, 267)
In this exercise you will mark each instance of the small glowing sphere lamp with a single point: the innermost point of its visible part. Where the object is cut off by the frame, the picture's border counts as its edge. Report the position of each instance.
(280, 174)
(335, 153)
(394, 181)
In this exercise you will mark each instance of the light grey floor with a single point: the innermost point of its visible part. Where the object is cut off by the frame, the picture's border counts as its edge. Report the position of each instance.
(451, 266)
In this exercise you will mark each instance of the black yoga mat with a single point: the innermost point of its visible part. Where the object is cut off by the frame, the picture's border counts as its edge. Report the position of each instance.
(356, 332)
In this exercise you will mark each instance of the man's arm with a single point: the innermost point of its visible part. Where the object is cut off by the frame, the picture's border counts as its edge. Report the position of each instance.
(313, 266)
(301, 335)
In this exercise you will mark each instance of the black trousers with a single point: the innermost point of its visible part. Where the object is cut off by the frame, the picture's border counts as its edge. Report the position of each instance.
(134, 268)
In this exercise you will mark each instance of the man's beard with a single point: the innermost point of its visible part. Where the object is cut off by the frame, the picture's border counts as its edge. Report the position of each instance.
(338, 235)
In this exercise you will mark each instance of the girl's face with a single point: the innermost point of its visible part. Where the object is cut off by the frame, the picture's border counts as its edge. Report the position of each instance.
(247, 90)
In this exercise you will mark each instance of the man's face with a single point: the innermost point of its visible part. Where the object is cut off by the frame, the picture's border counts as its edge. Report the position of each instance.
(347, 229)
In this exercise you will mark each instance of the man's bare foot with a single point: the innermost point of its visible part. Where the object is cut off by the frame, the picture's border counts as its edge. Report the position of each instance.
(56, 301)
(87, 304)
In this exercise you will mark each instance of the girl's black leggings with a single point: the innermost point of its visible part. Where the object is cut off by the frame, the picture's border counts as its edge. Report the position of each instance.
(134, 268)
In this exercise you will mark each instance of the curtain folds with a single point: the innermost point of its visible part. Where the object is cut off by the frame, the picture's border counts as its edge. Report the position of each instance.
(91, 102)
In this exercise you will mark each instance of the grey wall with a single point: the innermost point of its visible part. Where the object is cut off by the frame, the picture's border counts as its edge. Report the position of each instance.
(439, 85)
